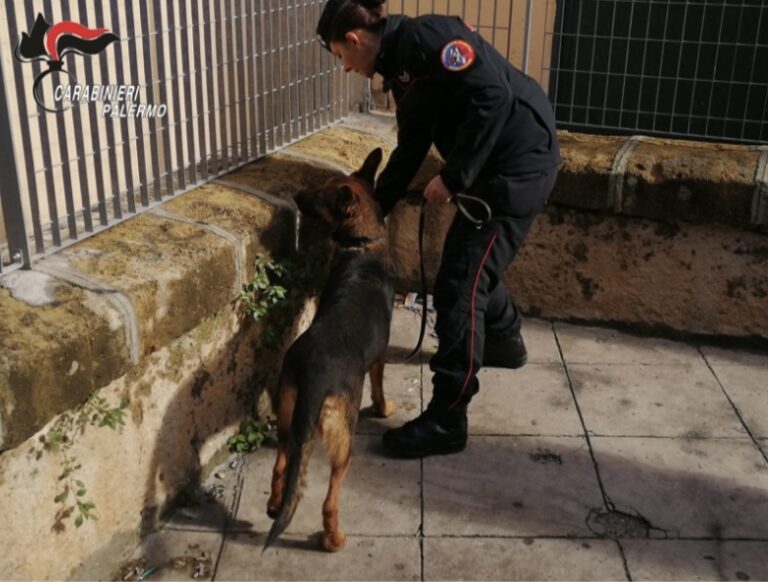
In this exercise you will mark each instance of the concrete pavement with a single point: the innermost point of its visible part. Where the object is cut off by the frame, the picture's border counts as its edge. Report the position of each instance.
(607, 457)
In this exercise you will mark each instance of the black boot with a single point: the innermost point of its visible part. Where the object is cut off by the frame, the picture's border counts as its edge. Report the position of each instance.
(505, 352)
(436, 431)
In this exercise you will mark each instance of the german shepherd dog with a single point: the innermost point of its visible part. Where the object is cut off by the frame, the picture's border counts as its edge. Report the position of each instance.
(321, 381)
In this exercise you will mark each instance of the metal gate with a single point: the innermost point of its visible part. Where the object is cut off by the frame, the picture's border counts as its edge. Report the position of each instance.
(108, 108)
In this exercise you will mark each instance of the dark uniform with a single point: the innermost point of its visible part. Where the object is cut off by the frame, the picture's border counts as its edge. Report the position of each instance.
(495, 129)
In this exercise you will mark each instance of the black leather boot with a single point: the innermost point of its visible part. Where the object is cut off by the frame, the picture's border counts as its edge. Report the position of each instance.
(505, 352)
(436, 431)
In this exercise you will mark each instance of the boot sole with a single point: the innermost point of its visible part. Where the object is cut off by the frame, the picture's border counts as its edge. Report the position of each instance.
(445, 449)
(510, 365)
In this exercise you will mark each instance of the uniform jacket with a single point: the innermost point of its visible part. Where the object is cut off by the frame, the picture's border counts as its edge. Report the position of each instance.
(453, 89)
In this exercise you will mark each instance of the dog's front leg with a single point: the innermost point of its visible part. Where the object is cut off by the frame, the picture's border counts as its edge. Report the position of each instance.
(382, 407)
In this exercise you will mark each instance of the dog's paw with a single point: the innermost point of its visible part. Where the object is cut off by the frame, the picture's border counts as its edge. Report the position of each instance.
(334, 541)
(389, 409)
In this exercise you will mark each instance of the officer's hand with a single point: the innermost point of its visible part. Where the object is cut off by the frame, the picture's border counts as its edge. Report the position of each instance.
(436, 192)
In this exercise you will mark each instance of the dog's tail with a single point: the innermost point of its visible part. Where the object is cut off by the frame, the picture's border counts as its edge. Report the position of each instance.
(303, 428)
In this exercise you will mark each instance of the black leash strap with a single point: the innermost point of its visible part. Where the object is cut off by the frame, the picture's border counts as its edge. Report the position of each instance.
(422, 219)
(459, 200)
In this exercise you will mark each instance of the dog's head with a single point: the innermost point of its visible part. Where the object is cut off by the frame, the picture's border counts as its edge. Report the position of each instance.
(346, 203)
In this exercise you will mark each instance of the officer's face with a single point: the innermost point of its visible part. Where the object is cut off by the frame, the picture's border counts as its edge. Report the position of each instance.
(357, 52)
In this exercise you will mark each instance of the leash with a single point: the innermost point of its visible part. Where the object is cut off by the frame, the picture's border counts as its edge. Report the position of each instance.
(458, 200)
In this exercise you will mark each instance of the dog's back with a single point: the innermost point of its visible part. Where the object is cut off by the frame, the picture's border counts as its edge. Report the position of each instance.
(321, 381)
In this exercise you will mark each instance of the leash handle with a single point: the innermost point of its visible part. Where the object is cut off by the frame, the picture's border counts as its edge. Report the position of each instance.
(459, 200)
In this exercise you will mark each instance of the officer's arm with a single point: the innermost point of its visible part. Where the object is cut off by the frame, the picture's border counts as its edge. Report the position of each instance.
(413, 143)
(490, 100)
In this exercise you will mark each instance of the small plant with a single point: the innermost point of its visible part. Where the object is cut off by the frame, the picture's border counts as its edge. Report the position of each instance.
(277, 291)
(263, 291)
(60, 439)
(252, 434)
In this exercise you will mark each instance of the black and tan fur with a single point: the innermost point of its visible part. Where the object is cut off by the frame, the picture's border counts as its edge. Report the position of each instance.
(321, 381)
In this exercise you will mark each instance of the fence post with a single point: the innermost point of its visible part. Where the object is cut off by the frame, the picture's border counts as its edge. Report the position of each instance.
(13, 209)
(528, 23)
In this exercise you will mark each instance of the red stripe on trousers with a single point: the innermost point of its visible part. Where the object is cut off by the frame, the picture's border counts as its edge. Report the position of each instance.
(472, 324)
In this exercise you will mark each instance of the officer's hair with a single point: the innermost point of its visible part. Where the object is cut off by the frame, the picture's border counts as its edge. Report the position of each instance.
(339, 17)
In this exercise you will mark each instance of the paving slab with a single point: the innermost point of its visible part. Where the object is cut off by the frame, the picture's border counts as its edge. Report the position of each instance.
(534, 400)
(511, 486)
(725, 357)
(747, 386)
(540, 342)
(380, 496)
(178, 555)
(521, 559)
(696, 560)
(596, 345)
(402, 385)
(707, 488)
(296, 558)
(661, 401)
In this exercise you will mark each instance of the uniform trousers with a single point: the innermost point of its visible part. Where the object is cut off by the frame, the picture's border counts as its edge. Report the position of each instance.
(470, 300)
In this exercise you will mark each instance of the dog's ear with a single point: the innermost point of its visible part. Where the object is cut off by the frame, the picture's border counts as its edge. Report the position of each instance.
(368, 170)
(344, 201)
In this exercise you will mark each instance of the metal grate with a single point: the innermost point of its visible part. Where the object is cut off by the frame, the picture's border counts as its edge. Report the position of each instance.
(687, 69)
(237, 81)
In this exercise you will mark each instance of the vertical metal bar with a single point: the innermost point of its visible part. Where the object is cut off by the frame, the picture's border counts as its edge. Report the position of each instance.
(120, 77)
(269, 86)
(261, 76)
(664, 42)
(575, 71)
(296, 80)
(642, 65)
(222, 94)
(528, 22)
(150, 80)
(114, 184)
(26, 138)
(66, 173)
(162, 77)
(172, 78)
(696, 67)
(281, 75)
(592, 60)
(495, 16)
(234, 95)
(244, 88)
(12, 206)
(610, 58)
(214, 166)
(677, 75)
(254, 79)
(751, 73)
(42, 122)
(714, 68)
(138, 124)
(727, 109)
(82, 169)
(187, 29)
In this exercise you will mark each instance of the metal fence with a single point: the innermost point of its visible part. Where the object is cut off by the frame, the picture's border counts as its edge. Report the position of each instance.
(675, 68)
(689, 69)
(206, 87)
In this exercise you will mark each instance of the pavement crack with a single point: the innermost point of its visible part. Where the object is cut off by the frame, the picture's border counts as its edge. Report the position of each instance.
(733, 405)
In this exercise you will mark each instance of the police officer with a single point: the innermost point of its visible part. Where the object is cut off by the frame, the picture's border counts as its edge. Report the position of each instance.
(495, 130)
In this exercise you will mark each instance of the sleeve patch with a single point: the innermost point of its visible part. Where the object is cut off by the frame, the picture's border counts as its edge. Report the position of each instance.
(457, 55)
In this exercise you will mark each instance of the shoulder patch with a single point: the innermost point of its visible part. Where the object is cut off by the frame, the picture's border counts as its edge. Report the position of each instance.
(457, 55)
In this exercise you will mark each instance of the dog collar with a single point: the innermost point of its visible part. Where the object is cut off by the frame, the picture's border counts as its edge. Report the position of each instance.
(360, 243)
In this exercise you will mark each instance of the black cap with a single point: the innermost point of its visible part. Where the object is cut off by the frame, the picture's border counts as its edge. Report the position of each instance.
(329, 18)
